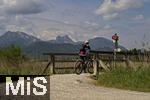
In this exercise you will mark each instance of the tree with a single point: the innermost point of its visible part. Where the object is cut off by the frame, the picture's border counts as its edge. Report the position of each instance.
(12, 55)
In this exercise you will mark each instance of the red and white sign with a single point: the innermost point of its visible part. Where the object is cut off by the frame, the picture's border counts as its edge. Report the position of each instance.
(115, 37)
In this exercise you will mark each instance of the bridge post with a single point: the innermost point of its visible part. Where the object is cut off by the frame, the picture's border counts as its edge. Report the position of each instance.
(114, 59)
(96, 65)
(53, 64)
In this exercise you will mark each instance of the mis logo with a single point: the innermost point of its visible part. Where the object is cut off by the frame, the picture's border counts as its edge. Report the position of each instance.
(21, 85)
(24, 87)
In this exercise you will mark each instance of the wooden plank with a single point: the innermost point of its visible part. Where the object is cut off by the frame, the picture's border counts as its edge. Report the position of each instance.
(98, 52)
(56, 54)
(64, 67)
(65, 60)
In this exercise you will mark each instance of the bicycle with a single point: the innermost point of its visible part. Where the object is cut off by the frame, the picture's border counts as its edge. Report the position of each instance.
(87, 66)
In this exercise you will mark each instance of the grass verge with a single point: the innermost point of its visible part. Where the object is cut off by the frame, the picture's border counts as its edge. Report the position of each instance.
(128, 79)
(30, 70)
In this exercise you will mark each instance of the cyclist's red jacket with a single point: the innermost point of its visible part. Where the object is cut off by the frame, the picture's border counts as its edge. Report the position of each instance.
(83, 51)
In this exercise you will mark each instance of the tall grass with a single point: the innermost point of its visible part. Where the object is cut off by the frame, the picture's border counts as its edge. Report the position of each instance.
(123, 78)
(27, 69)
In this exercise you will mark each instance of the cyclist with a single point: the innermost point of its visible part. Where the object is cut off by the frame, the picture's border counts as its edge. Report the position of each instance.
(84, 51)
(85, 63)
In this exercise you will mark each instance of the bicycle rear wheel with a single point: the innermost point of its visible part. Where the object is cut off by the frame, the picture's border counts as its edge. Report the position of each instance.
(78, 67)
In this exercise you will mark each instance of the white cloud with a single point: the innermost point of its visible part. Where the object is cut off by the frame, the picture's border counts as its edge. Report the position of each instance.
(91, 23)
(139, 17)
(107, 27)
(23, 6)
(110, 16)
(2, 18)
(110, 9)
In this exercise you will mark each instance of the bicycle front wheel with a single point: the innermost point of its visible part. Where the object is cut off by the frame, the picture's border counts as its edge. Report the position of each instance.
(90, 67)
(78, 67)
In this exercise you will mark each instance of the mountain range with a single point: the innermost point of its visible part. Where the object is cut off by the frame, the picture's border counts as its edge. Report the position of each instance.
(33, 46)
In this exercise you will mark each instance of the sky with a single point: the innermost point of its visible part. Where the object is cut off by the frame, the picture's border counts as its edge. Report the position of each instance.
(80, 19)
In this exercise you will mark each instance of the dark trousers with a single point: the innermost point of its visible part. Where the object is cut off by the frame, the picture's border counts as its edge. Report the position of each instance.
(83, 58)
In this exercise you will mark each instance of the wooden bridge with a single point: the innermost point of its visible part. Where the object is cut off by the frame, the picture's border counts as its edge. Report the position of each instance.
(110, 59)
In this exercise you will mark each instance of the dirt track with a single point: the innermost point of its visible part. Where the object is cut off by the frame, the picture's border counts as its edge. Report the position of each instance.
(80, 87)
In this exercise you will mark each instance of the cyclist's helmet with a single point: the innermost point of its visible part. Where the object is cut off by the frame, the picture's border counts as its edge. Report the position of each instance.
(86, 42)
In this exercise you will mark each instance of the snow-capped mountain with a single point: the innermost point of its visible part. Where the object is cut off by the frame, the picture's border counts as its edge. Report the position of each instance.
(16, 38)
(62, 39)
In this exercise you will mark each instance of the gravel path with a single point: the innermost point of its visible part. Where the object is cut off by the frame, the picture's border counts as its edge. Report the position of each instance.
(80, 87)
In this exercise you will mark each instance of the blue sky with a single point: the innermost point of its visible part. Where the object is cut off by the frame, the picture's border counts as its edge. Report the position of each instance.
(80, 19)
